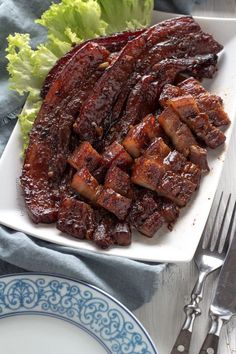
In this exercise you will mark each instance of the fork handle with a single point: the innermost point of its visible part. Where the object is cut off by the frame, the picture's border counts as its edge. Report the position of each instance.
(182, 343)
(192, 310)
(183, 340)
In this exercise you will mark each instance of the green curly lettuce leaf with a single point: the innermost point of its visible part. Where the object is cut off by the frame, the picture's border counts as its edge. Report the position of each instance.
(126, 14)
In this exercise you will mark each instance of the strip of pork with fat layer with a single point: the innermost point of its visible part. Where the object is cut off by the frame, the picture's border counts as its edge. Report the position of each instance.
(45, 158)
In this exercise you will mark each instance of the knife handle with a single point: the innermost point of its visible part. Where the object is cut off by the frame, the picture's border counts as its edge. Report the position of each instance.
(210, 344)
(211, 341)
(183, 340)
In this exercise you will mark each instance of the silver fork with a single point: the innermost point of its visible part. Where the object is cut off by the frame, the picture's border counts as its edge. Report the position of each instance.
(208, 258)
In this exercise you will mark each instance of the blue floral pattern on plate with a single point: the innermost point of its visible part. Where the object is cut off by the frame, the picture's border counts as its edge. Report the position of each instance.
(82, 304)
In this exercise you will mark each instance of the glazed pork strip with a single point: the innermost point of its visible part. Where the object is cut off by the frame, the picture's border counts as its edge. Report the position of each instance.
(187, 109)
(113, 44)
(207, 103)
(99, 105)
(143, 99)
(85, 184)
(45, 158)
(182, 138)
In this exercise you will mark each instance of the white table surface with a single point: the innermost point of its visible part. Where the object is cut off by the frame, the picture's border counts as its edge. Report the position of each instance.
(164, 315)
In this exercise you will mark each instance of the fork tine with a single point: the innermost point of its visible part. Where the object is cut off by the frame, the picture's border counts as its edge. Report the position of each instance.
(209, 241)
(219, 236)
(229, 232)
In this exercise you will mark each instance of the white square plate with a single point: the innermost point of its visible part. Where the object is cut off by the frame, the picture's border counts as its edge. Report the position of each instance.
(176, 246)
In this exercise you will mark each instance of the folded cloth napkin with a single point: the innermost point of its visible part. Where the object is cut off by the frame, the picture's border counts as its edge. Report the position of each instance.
(132, 282)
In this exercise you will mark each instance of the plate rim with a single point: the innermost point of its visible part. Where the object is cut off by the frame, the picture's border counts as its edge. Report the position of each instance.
(86, 284)
(214, 18)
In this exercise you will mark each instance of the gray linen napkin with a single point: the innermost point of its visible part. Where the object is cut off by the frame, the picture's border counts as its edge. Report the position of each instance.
(132, 282)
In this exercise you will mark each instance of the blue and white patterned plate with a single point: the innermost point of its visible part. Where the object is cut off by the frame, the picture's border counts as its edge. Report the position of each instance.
(47, 314)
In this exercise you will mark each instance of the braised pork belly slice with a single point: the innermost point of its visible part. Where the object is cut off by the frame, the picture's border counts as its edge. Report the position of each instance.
(182, 137)
(85, 184)
(111, 231)
(198, 122)
(145, 214)
(169, 210)
(207, 103)
(157, 148)
(102, 236)
(119, 181)
(76, 218)
(114, 202)
(176, 188)
(121, 233)
(170, 91)
(149, 212)
(180, 165)
(198, 156)
(140, 136)
(173, 160)
(115, 154)
(147, 173)
(187, 109)
(85, 156)
(152, 224)
(155, 175)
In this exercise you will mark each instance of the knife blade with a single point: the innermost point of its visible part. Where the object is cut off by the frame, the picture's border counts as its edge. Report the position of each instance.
(224, 302)
(223, 306)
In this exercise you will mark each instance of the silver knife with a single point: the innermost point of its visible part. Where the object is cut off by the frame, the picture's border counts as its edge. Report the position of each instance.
(223, 306)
